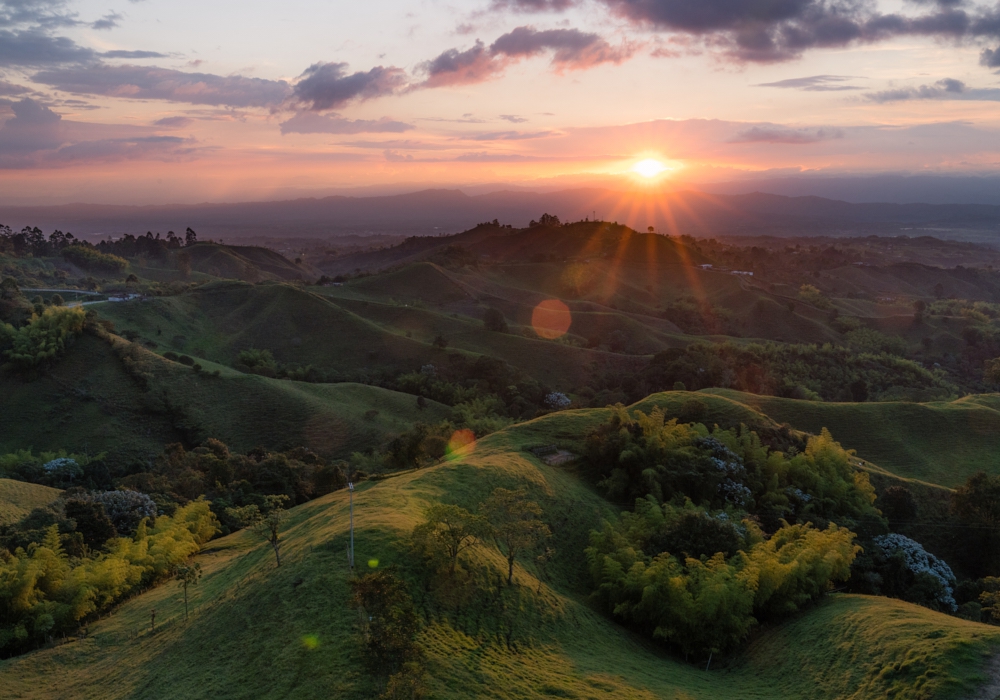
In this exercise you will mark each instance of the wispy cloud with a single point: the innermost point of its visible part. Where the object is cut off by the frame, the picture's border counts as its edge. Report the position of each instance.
(815, 83)
(946, 89)
(152, 83)
(312, 123)
(783, 135)
(38, 137)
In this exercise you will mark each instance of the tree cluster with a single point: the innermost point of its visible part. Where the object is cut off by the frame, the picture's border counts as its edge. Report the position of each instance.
(42, 340)
(44, 591)
(234, 481)
(725, 532)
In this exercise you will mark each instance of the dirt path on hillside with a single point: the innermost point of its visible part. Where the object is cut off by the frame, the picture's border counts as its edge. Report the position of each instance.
(990, 691)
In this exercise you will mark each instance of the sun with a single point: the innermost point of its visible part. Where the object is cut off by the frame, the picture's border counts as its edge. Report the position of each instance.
(649, 167)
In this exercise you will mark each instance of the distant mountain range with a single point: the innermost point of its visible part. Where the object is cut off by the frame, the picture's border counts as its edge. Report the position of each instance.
(430, 212)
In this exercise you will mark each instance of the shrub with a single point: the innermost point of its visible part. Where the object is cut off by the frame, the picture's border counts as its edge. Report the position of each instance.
(125, 508)
(43, 339)
(493, 320)
(87, 257)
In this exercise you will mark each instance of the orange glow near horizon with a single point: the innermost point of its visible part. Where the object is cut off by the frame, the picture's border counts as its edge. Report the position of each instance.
(650, 167)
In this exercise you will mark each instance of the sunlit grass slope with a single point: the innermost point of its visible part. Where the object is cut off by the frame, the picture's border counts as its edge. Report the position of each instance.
(245, 638)
(942, 442)
(218, 320)
(18, 498)
(89, 403)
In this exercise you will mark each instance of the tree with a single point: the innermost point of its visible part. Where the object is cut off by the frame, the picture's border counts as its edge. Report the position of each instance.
(91, 521)
(389, 621)
(977, 503)
(494, 321)
(898, 505)
(187, 574)
(190, 237)
(131, 281)
(514, 524)
(266, 525)
(919, 307)
(938, 291)
(992, 372)
(9, 289)
(184, 263)
(448, 531)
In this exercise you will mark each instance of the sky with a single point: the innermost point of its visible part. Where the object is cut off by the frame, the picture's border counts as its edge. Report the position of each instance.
(151, 102)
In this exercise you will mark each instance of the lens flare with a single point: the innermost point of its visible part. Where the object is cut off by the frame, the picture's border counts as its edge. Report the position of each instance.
(551, 319)
(310, 641)
(459, 439)
(373, 563)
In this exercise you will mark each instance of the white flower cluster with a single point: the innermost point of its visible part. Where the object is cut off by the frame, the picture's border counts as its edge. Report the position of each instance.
(428, 371)
(557, 400)
(920, 561)
(62, 465)
(730, 464)
(124, 508)
(735, 492)
(799, 494)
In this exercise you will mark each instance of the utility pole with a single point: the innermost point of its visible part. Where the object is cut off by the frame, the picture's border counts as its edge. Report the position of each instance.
(350, 553)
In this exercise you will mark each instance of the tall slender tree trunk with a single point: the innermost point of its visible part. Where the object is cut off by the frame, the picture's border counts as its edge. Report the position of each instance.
(277, 554)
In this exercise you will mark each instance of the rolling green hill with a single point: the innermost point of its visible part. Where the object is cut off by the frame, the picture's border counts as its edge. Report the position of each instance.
(18, 498)
(89, 403)
(294, 622)
(942, 442)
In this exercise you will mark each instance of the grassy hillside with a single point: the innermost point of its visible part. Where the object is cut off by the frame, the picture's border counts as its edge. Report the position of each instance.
(218, 320)
(295, 624)
(92, 404)
(942, 442)
(18, 498)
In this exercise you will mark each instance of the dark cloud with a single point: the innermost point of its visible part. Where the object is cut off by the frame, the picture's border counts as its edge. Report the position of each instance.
(151, 83)
(311, 123)
(173, 122)
(36, 136)
(36, 13)
(12, 89)
(814, 83)
(108, 21)
(990, 58)
(777, 30)
(132, 54)
(782, 135)
(946, 89)
(454, 67)
(328, 85)
(572, 50)
(513, 118)
(35, 48)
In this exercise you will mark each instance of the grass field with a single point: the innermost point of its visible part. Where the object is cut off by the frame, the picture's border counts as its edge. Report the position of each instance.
(89, 404)
(246, 635)
(942, 442)
(18, 498)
